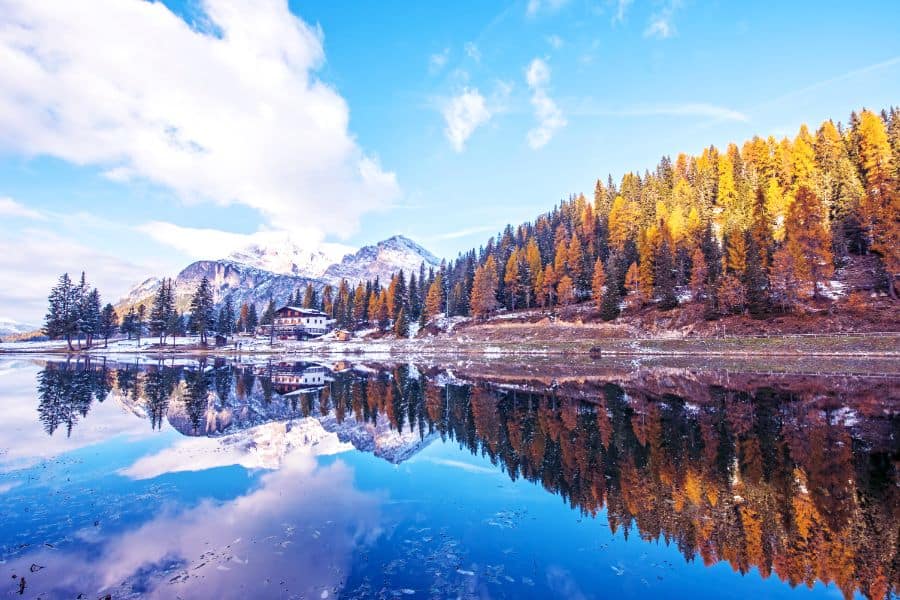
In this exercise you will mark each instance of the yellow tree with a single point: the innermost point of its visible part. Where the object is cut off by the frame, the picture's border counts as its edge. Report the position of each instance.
(598, 281)
(808, 239)
(434, 299)
(727, 199)
(575, 262)
(633, 279)
(511, 278)
(803, 160)
(484, 289)
(881, 203)
(533, 259)
(565, 290)
(699, 274)
(622, 222)
(548, 285)
(736, 253)
(777, 203)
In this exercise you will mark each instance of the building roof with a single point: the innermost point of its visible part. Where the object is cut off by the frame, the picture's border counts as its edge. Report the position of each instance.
(306, 312)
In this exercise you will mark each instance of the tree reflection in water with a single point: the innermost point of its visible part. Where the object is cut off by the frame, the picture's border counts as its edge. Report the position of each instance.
(800, 484)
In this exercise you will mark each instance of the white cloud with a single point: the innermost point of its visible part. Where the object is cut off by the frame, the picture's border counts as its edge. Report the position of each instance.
(621, 9)
(535, 6)
(472, 51)
(463, 114)
(661, 25)
(232, 117)
(689, 109)
(212, 244)
(11, 208)
(549, 116)
(555, 41)
(438, 60)
(461, 233)
(32, 260)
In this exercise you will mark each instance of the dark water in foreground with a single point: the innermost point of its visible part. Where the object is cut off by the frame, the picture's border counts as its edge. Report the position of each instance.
(291, 480)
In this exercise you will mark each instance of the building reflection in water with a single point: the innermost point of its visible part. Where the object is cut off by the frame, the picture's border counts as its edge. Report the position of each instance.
(794, 478)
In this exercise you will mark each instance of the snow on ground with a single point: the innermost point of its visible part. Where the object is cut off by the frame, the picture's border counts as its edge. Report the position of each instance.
(834, 289)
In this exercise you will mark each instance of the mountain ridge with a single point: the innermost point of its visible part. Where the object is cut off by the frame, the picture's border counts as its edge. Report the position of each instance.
(246, 281)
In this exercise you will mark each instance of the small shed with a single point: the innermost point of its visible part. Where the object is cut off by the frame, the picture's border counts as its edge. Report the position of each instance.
(342, 335)
(221, 340)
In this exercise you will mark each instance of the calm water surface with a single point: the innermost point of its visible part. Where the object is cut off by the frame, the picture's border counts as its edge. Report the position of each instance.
(211, 479)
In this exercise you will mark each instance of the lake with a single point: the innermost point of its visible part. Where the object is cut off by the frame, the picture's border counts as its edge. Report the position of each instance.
(212, 478)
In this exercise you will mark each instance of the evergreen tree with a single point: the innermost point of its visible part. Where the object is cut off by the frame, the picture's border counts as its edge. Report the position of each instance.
(609, 305)
(225, 322)
(808, 239)
(598, 282)
(434, 301)
(699, 275)
(664, 276)
(252, 319)
(63, 312)
(401, 325)
(484, 290)
(90, 316)
(202, 319)
(109, 323)
(162, 310)
(268, 317)
(140, 316)
(128, 322)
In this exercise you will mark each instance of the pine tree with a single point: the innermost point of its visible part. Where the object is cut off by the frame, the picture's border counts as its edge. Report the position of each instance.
(62, 315)
(565, 290)
(783, 278)
(242, 326)
(484, 289)
(598, 282)
(268, 316)
(202, 318)
(128, 322)
(225, 322)
(808, 239)
(881, 203)
(434, 301)
(633, 281)
(401, 325)
(699, 275)
(140, 316)
(90, 316)
(609, 305)
(109, 323)
(511, 279)
(664, 276)
(309, 297)
(252, 319)
(755, 278)
(731, 293)
(162, 310)
(360, 305)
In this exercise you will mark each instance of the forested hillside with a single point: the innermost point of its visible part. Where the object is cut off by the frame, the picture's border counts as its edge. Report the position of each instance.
(757, 228)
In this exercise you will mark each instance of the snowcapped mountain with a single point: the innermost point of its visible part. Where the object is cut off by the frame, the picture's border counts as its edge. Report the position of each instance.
(275, 270)
(286, 255)
(11, 327)
(382, 260)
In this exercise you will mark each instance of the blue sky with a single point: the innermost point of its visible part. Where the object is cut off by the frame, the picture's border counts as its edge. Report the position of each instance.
(136, 137)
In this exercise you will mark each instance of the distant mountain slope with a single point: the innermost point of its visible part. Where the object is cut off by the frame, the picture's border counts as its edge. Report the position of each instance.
(285, 255)
(248, 282)
(382, 260)
(11, 327)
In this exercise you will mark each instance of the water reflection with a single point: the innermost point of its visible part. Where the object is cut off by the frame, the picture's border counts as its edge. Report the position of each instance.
(794, 477)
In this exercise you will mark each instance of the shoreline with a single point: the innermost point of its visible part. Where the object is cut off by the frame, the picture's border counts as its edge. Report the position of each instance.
(850, 345)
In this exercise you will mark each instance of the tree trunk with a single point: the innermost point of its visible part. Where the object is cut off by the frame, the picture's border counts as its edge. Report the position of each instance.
(69, 342)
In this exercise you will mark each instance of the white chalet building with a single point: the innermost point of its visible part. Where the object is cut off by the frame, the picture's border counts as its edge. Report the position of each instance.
(301, 323)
